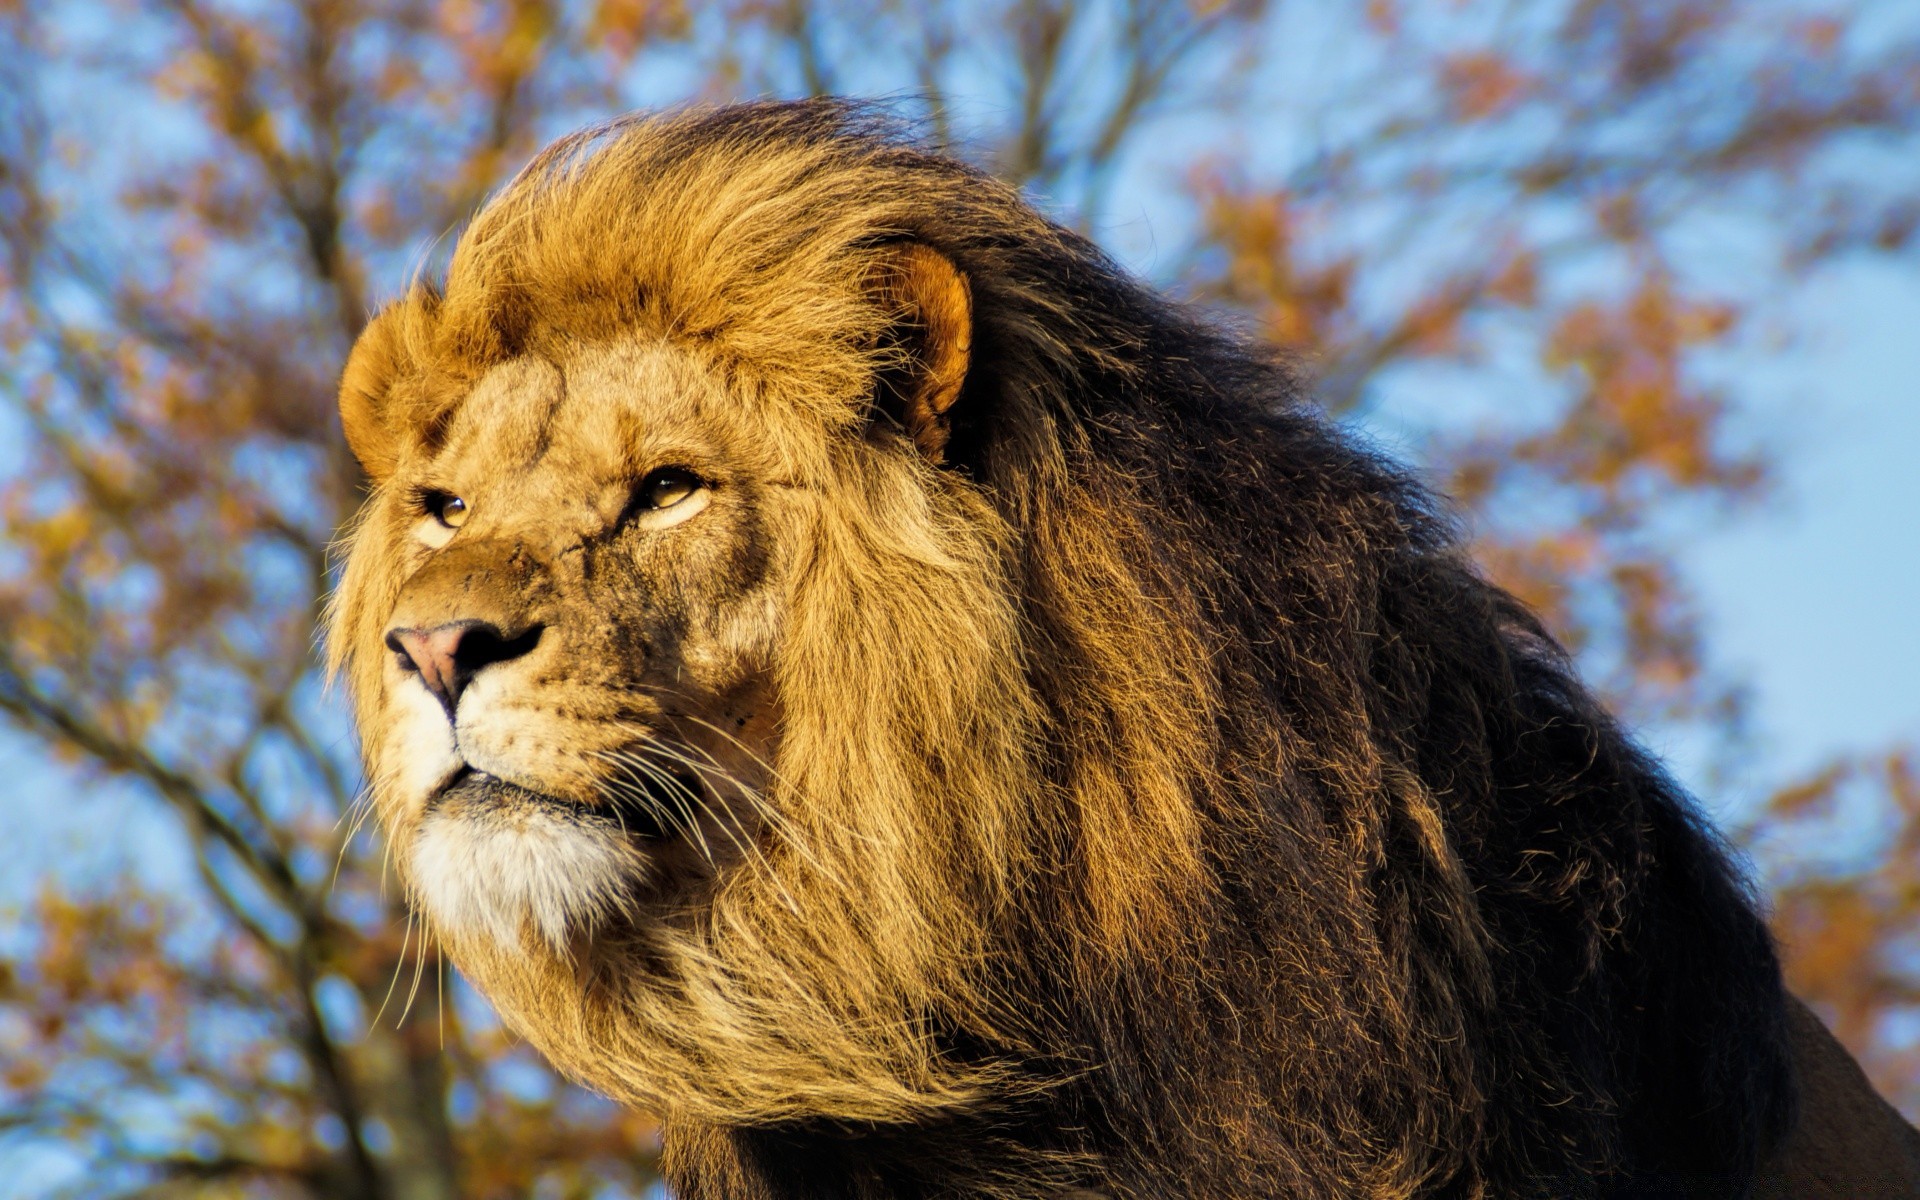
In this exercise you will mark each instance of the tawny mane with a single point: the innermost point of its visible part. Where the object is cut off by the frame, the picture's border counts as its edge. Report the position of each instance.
(1174, 808)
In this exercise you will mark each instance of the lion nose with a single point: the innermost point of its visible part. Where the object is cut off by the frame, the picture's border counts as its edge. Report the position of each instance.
(447, 657)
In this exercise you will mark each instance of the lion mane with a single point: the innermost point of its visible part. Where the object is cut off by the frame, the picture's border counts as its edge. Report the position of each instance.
(1164, 803)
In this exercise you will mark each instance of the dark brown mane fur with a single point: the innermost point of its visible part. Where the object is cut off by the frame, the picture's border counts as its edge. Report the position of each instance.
(1334, 880)
(1455, 933)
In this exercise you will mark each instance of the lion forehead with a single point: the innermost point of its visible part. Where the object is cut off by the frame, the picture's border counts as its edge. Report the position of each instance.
(587, 409)
(617, 409)
(507, 418)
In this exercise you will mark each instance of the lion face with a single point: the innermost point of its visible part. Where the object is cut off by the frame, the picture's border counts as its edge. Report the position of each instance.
(570, 714)
(691, 684)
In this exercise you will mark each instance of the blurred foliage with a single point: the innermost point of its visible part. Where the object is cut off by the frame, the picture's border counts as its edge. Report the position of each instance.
(1554, 215)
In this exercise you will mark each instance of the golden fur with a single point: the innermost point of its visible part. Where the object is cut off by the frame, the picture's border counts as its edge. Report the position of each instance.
(1071, 762)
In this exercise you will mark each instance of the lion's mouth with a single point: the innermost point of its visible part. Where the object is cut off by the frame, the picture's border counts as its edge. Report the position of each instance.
(657, 807)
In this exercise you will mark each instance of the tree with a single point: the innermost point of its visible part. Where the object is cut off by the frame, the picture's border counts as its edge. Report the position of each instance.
(201, 201)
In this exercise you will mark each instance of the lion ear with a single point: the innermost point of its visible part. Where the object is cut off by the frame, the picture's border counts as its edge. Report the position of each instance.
(383, 357)
(931, 323)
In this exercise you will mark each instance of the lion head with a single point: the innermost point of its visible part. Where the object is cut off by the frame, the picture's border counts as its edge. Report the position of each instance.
(653, 553)
(842, 666)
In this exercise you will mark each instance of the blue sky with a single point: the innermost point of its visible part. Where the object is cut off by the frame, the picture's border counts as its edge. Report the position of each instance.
(1816, 597)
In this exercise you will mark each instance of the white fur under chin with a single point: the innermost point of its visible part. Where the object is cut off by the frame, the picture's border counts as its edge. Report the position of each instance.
(492, 877)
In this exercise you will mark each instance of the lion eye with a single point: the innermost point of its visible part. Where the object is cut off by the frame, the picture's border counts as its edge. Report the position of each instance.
(450, 511)
(667, 487)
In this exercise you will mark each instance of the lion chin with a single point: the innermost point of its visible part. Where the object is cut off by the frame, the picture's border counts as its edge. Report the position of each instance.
(844, 667)
(492, 860)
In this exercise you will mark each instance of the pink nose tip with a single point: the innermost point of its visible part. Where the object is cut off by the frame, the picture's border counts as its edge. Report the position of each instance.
(447, 657)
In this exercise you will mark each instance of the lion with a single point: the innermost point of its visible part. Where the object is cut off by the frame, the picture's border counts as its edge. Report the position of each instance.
(843, 667)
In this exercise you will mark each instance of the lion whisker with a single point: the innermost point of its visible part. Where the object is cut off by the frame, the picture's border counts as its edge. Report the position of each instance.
(419, 969)
(748, 846)
(676, 793)
(774, 818)
(359, 810)
(753, 755)
(399, 965)
(735, 829)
